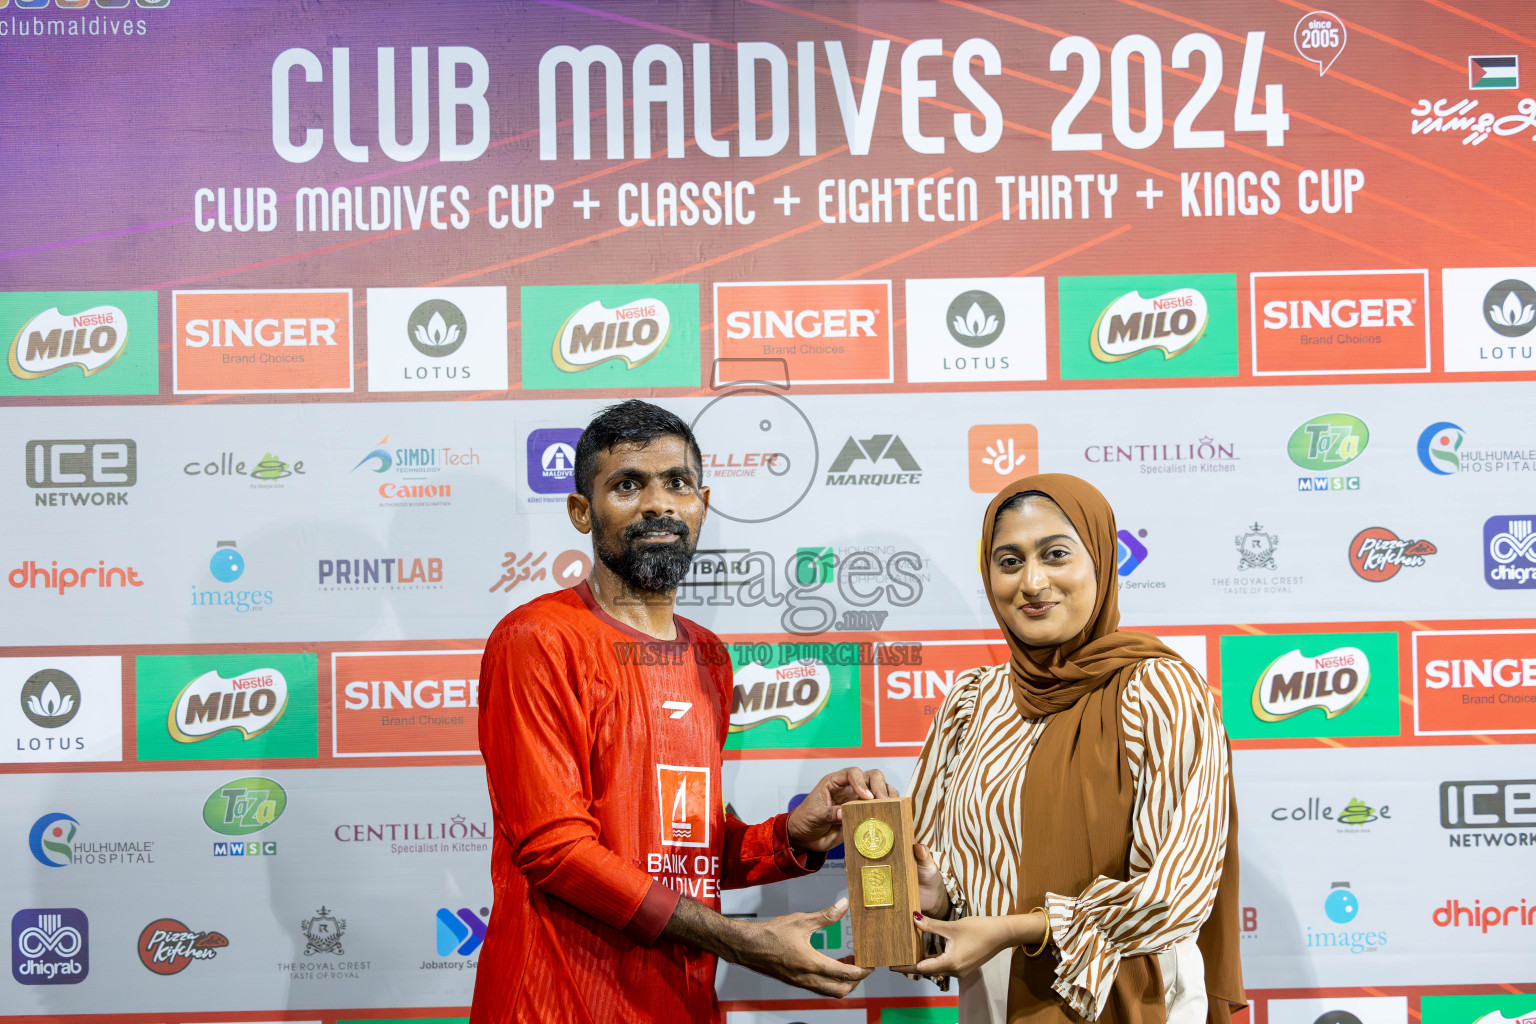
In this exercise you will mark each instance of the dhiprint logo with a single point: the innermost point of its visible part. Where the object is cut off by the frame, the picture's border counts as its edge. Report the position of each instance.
(460, 934)
(975, 329)
(1337, 321)
(1501, 71)
(84, 472)
(1378, 554)
(1309, 685)
(61, 709)
(166, 946)
(1292, 683)
(50, 946)
(52, 839)
(884, 451)
(684, 799)
(1456, 914)
(262, 342)
(1474, 682)
(1439, 446)
(1509, 559)
(1000, 453)
(552, 460)
(1139, 326)
(80, 343)
(817, 332)
(620, 336)
(1488, 315)
(437, 339)
(244, 806)
(223, 706)
(50, 698)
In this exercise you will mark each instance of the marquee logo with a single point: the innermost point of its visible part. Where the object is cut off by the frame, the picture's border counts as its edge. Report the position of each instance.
(822, 332)
(1509, 546)
(258, 342)
(50, 946)
(1293, 683)
(1308, 685)
(250, 703)
(90, 339)
(1140, 326)
(582, 336)
(397, 704)
(1378, 554)
(1325, 322)
(166, 946)
(793, 694)
(244, 806)
(1169, 323)
(885, 452)
(1474, 682)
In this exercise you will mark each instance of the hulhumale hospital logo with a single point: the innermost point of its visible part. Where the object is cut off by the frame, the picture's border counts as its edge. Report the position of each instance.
(1439, 447)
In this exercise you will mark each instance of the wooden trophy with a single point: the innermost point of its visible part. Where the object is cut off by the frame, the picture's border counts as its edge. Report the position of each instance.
(882, 882)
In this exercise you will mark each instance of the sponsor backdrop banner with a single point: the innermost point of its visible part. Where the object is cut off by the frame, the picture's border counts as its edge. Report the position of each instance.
(299, 342)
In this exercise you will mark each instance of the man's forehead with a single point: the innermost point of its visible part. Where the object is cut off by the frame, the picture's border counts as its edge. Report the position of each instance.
(660, 454)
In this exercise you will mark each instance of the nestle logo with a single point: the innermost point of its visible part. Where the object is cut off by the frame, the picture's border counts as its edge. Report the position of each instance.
(1173, 302)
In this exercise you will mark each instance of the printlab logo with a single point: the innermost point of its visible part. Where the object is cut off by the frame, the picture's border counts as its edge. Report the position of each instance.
(227, 565)
(80, 343)
(50, 946)
(380, 573)
(1326, 443)
(637, 336)
(1488, 315)
(975, 329)
(568, 569)
(1144, 326)
(322, 933)
(1500, 71)
(437, 339)
(85, 472)
(552, 460)
(1256, 549)
(1491, 812)
(166, 946)
(885, 452)
(1509, 558)
(1378, 554)
(460, 933)
(50, 698)
(1000, 453)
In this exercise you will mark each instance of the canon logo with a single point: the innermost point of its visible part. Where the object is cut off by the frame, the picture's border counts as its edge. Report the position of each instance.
(1301, 314)
(805, 323)
(384, 694)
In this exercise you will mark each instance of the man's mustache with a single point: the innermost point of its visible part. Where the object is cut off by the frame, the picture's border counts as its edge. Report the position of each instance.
(663, 525)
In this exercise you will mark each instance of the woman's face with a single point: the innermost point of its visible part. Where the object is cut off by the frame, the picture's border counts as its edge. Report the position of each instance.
(1043, 580)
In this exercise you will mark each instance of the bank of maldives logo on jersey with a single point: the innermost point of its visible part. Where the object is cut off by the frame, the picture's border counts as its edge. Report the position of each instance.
(1337, 321)
(1488, 317)
(819, 332)
(683, 800)
(80, 343)
(437, 339)
(50, 946)
(262, 342)
(610, 336)
(975, 329)
(1306, 685)
(224, 706)
(1150, 325)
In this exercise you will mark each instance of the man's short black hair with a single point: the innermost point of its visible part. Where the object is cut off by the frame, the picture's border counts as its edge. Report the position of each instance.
(630, 422)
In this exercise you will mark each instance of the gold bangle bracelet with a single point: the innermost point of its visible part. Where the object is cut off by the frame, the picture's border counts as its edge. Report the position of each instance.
(1045, 939)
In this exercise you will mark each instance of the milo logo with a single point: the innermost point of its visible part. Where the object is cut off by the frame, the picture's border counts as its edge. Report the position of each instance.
(1293, 683)
(794, 693)
(244, 806)
(1170, 322)
(251, 702)
(594, 334)
(51, 340)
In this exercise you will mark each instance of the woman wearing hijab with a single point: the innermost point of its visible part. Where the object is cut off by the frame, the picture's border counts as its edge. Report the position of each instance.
(1077, 800)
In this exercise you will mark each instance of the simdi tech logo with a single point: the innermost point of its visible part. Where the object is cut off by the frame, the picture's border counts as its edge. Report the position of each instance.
(1472, 682)
(80, 343)
(822, 332)
(975, 329)
(793, 695)
(50, 946)
(223, 706)
(61, 709)
(610, 336)
(261, 342)
(1147, 326)
(437, 339)
(1305, 685)
(1487, 316)
(1340, 321)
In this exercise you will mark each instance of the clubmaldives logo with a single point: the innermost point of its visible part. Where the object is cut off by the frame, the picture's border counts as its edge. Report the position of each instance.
(823, 332)
(1326, 322)
(166, 946)
(1378, 554)
(1456, 914)
(255, 342)
(1474, 682)
(50, 946)
(1509, 552)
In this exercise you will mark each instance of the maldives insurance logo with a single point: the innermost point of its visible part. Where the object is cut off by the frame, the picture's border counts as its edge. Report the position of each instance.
(1309, 685)
(1140, 326)
(80, 343)
(620, 336)
(195, 707)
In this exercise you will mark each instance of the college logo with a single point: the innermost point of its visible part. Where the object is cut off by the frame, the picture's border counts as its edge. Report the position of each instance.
(80, 343)
(1370, 321)
(1326, 443)
(1474, 681)
(1353, 815)
(816, 332)
(793, 695)
(1509, 552)
(621, 336)
(1001, 453)
(61, 709)
(166, 946)
(437, 339)
(1309, 685)
(552, 460)
(406, 702)
(975, 329)
(883, 452)
(684, 800)
(266, 471)
(1500, 71)
(196, 707)
(244, 806)
(262, 342)
(1378, 554)
(460, 933)
(82, 472)
(1488, 315)
(911, 681)
(1174, 325)
(50, 947)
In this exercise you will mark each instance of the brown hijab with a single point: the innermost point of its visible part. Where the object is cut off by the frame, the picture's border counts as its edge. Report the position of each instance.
(1079, 794)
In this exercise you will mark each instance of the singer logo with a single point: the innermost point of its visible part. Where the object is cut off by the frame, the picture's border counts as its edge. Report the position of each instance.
(1000, 453)
(912, 680)
(1373, 321)
(251, 702)
(1131, 324)
(1294, 683)
(251, 342)
(793, 694)
(405, 703)
(1474, 682)
(684, 800)
(824, 332)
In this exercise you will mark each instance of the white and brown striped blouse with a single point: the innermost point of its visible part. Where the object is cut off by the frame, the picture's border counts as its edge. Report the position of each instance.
(968, 801)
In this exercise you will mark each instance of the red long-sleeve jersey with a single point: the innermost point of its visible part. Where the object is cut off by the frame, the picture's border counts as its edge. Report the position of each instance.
(602, 752)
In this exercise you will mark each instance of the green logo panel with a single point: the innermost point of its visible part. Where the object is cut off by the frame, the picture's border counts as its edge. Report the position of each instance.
(794, 697)
(1138, 326)
(1303, 685)
(920, 1015)
(1471, 1009)
(80, 343)
(227, 707)
(610, 336)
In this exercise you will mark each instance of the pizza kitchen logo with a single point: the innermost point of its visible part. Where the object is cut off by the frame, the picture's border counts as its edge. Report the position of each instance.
(249, 703)
(1377, 554)
(1333, 682)
(166, 946)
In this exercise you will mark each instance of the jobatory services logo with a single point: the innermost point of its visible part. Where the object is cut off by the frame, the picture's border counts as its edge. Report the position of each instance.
(166, 946)
(54, 841)
(1487, 316)
(1305, 685)
(1148, 326)
(1340, 322)
(1489, 812)
(975, 329)
(265, 473)
(262, 342)
(404, 703)
(1474, 682)
(437, 339)
(1377, 554)
(50, 946)
(80, 343)
(1509, 552)
(81, 473)
(793, 695)
(1130, 551)
(224, 706)
(1494, 71)
(552, 461)
(461, 932)
(1000, 453)
(61, 709)
(912, 679)
(886, 454)
(823, 332)
(1443, 450)
(1326, 444)
(227, 566)
(610, 336)
(1501, 1008)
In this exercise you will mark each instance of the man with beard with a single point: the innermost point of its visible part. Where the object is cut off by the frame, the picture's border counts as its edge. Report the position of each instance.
(602, 718)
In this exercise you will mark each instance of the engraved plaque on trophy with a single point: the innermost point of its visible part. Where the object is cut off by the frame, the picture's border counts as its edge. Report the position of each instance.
(882, 882)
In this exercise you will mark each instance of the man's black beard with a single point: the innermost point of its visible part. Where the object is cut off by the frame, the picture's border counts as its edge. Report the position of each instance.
(648, 566)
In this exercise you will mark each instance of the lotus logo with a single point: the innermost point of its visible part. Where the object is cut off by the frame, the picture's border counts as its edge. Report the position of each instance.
(1333, 682)
(1510, 308)
(793, 694)
(436, 328)
(50, 698)
(1170, 323)
(594, 334)
(1440, 447)
(975, 319)
(52, 340)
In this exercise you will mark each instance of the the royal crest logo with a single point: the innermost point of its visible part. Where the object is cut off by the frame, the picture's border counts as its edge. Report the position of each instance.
(634, 332)
(250, 702)
(1170, 322)
(793, 693)
(91, 339)
(1333, 682)
(1378, 554)
(1256, 549)
(167, 946)
(322, 933)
